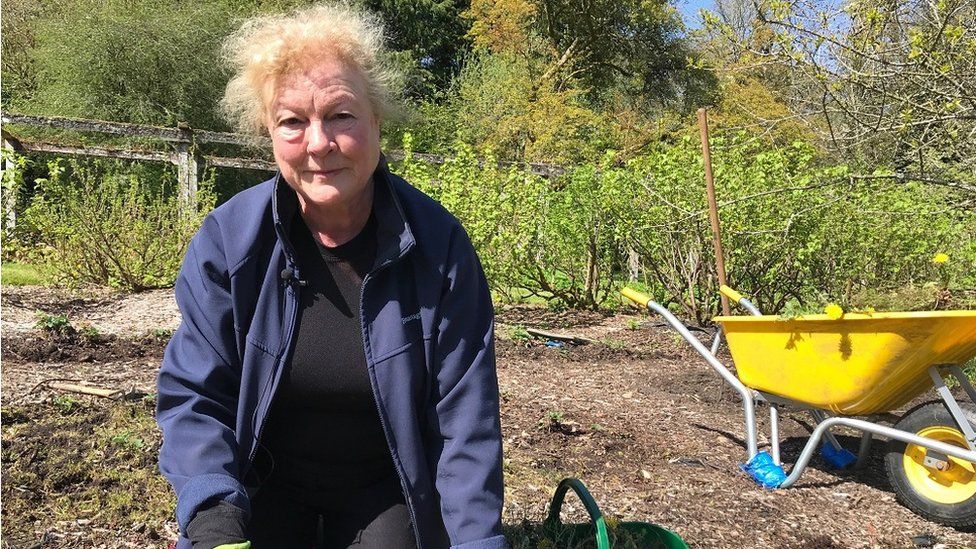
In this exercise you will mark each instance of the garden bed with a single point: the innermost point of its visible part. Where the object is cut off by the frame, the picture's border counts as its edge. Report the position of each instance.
(635, 415)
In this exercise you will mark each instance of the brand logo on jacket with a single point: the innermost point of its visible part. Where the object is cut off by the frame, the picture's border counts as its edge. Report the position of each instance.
(415, 316)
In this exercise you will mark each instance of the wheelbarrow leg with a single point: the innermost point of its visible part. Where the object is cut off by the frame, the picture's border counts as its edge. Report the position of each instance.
(819, 417)
(748, 400)
(774, 432)
(952, 405)
(864, 450)
(964, 381)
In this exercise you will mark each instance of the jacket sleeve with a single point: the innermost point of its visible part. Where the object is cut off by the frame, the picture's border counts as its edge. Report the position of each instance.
(199, 383)
(468, 467)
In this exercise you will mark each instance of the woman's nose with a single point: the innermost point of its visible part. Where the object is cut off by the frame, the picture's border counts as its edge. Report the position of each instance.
(320, 140)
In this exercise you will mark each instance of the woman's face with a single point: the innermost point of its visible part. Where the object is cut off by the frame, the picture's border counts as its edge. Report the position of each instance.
(325, 134)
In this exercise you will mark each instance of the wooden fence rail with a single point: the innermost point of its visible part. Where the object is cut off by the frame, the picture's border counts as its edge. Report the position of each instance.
(186, 154)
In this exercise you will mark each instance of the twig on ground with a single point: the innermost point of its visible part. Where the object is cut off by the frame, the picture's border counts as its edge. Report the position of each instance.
(578, 340)
(86, 390)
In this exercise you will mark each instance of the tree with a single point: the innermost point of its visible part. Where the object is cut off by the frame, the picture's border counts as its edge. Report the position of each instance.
(134, 61)
(499, 104)
(602, 47)
(636, 45)
(428, 36)
(17, 36)
(893, 83)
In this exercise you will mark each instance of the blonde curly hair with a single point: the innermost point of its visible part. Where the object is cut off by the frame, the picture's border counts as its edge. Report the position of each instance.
(267, 48)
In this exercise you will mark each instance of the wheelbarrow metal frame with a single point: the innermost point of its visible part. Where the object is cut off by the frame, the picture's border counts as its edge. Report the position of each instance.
(824, 423)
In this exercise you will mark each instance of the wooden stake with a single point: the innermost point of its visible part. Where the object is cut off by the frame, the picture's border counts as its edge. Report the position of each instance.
(713, 207)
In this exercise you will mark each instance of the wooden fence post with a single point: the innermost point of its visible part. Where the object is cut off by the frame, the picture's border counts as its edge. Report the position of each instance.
(633, 264)
(10, 147)
(188, 169)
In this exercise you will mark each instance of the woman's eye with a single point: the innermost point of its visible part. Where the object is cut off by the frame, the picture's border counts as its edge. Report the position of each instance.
(291, 121)
(344, 116)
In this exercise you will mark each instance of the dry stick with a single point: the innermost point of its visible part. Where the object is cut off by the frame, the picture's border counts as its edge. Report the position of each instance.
(579, 340)
(47, 381)
(713, 208)
(86, 390)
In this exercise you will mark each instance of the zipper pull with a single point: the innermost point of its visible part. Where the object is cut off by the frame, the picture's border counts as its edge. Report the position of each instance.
(289, 276)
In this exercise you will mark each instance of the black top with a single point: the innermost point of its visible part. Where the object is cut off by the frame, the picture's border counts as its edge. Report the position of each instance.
(323, 434)
(324, 431)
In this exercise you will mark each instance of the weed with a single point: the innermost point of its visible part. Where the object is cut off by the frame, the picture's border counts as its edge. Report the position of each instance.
(532, 535)
(162, 333)
(90, 333)
(634, 323)
(615, 343)
(552, 421)
(519, 333)
(65, 404)
(127, 439)
(54, 324)
(795, 308)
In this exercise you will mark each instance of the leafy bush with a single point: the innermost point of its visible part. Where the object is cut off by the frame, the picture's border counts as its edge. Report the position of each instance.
(532, 239)
(142, 62)
(98, 224)
(794, 232)
(54, 324)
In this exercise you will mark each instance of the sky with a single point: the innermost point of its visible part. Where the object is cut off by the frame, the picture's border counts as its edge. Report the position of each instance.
(689, 10)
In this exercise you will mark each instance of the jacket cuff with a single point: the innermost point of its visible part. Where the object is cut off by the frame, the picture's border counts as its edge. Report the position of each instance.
(203, 489)
(497, 542)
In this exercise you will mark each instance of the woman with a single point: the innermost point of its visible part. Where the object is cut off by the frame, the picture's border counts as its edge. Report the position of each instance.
(333, 380)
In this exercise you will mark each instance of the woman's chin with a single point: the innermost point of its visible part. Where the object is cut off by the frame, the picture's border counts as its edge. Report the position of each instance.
(324, 198)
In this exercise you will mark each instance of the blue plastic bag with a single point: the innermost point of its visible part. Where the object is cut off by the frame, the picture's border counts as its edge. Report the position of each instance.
(764, 470)
(839, 459)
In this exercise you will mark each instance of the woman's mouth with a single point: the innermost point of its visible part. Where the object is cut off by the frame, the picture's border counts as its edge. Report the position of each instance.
(324, 173)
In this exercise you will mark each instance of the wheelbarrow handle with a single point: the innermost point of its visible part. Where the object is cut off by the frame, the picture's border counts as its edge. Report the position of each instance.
(635, 296)
(740, 299)
(733, 295)
(602, 538)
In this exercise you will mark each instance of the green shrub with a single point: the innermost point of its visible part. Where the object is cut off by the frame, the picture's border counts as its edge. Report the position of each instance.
(101, 225)
(795, 233)
(54, 324)
(133, 61)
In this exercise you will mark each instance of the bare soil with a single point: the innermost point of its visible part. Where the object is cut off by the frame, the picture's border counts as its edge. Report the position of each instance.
(636, 415)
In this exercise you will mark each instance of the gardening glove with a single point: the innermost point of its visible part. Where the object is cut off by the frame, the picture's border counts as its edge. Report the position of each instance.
(220, 526)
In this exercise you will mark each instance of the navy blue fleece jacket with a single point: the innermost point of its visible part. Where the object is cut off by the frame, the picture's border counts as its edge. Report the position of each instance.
(427, 327)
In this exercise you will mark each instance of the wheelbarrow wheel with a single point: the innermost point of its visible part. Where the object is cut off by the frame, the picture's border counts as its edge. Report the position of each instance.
(944, 489)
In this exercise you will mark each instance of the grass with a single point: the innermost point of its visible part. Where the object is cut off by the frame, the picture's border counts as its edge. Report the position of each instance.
(69, 459)
(23, 274)
(516, 295)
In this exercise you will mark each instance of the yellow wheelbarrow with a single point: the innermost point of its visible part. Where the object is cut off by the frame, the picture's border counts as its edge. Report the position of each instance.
(858, 365)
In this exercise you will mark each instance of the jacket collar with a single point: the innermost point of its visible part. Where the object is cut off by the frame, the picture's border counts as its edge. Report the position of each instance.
(393, 235)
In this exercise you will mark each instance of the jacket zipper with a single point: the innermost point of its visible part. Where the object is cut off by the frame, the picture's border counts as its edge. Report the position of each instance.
(291, 299)
(371, 370)
(291, 292)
